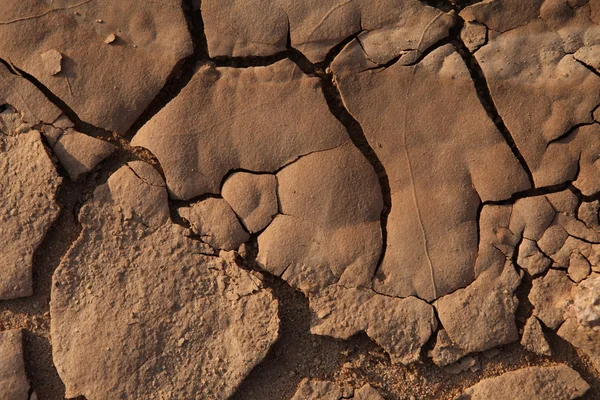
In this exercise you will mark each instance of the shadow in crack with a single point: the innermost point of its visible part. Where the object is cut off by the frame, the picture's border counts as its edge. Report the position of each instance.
(297, 353)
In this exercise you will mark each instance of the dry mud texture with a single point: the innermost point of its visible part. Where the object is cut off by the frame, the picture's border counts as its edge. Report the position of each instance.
(272, 199)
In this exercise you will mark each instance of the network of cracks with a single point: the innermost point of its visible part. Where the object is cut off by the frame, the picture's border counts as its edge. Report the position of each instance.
(327, 200)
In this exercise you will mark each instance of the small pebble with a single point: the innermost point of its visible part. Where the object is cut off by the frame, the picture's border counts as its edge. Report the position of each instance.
(110, 38)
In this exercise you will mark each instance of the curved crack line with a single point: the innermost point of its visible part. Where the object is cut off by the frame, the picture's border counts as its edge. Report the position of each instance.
(22, 19)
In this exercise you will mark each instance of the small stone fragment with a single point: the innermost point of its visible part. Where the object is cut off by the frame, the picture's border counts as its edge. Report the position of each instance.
(550, 295)
(491, 353)
(317, 390)
(80, 153)
(474, 35)
(445, 351)
(253, 197)
(540, 383)
(588, 210)
(110, 38)
(579, 267)
(52, 133)
(52, 60)
(531, 259)
(533, 338)
(215, 221)
(462, 365)
(367, 392)
(13, 381)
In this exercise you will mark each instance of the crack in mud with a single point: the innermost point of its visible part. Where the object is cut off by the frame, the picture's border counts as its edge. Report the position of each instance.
(485, 96)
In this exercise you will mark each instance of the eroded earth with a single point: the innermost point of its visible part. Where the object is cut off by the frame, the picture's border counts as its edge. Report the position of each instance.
(258, 199)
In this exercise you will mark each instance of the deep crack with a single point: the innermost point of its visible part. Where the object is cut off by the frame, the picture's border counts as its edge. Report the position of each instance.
(485, 96)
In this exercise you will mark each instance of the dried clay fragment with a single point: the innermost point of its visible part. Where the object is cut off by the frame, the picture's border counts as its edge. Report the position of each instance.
(550, 295)
(533, 338)
(462, 365)
(13, 382)
(473, 35)
(80, 153)
(329, 229)
(582, 324)
(402, 330)
(327, 234)
(60, 44)
(28, 182)
(216, 223)
(253, 197)
(481, 316)
(262, 27)
(197, 146)
(310, 389)
(437, 158)
(52, 61)
(145, 310)
(541, 88)
(367, 392)
(533, 383)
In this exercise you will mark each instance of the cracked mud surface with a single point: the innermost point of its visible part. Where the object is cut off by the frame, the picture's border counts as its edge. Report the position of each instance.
(252, 199)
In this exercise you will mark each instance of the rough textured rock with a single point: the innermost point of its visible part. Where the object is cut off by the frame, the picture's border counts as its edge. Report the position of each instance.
(261, 28)
(401, 331)
(437, 158)
(541, 89)
(534, 383)
(144, 309)
(550, 295)
(445, 352)
(13, 382)
(79, 153)
(253, 197)
(222, 119)
(533, 338)
(216, 223)
(582, 319)
(367, 392)
(107, 86)
(474, 35)
(462, 365)
(28, 184)
(481, 316)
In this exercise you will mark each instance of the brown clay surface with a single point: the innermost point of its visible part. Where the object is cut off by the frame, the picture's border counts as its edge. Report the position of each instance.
(252, 199)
